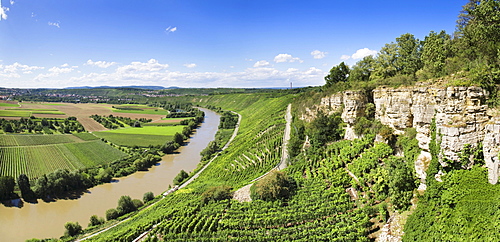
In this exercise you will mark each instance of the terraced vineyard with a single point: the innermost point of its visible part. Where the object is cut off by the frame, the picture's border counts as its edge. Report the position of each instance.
(35, 155)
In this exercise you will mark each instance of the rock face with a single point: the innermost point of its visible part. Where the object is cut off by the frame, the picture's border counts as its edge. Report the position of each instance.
(460, 114)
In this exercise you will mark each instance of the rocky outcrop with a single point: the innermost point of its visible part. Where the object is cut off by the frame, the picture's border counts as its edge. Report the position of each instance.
(460, 113)
(352, 104)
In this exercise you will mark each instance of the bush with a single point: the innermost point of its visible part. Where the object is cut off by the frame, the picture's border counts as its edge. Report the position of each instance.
(94, 220)
(125, 205)
(217, 193)
(137, 203)
(72, 229)
(180, 177)
(276, 185)
(148, 196)
(111, 214)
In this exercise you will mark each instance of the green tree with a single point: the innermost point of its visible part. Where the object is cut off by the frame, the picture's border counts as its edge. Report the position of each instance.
(148, 196)
(95, 220)
(408, 54)
(217, 193)
(178, 138)
(435, 51)
(112, 214)
(7, 184)
(180, 177)
(24, 185)
(363, 69)
(385, 62)
(337, 74)
(275, 185)
(479, 27)
(125, 205)
(72, 229)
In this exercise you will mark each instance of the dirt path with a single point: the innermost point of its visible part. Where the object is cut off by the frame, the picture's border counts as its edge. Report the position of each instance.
(243, 194)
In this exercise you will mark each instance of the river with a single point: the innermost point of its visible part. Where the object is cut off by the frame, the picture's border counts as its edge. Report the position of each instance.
(46, 220)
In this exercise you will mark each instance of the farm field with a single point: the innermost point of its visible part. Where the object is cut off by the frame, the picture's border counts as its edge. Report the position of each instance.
(81, 111)
(142, 137)
(35, 155)
(138, 109)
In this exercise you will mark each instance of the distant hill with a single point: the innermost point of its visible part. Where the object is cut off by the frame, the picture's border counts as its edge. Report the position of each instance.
(138, 87)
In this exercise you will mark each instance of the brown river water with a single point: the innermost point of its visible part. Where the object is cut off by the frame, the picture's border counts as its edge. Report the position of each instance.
(46, 220)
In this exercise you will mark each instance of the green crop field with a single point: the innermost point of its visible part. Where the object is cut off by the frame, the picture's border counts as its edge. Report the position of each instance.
(130, 140)
(149, 130)
(35, 155)
(8, 105)
(141, 109)
(12, 113)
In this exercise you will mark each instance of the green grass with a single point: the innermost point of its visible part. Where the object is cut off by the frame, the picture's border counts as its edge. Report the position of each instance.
(148, 130)
(141, 109)
(86, 136)
(11, 113)
(8, 105)
(130, 140)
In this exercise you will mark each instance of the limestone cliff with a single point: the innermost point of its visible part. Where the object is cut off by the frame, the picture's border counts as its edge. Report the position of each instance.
(461, 116)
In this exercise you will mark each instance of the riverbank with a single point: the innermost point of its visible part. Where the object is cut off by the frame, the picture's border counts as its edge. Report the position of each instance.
(46, 220)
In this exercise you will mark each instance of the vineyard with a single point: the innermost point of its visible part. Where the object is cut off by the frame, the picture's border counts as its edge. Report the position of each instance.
(35, 155)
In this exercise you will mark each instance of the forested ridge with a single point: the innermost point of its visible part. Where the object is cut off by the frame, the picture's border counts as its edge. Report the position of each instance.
(336, 189)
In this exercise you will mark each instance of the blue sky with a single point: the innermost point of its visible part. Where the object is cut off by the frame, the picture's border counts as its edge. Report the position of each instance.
(196, 43)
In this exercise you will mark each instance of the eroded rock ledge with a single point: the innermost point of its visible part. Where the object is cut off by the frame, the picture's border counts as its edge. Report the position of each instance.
(461, 116)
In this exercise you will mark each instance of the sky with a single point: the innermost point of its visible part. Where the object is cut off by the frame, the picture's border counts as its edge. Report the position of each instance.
(200, 43)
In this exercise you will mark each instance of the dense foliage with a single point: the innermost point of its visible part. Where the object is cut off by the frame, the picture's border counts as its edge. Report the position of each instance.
(41, 126)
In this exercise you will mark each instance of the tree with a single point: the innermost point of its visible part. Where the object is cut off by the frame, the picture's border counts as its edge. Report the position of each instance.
(7, 127)
(436, 49)
(385, 62)
(137, 124)
(479, 27)
(72, 229)
(7, 184)
(24, 185)
(125, 205)
(363, 69)
(217, 193)
(148, 196)
(276, 185)
(178, 138)
(180, 177)
(408, 54)
(111, 214)
(337, 74)
(94, 221)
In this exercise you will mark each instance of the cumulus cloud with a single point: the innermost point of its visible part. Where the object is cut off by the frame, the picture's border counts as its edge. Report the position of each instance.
(286, 58)
(171, 29)
(12, 71)
(345, 57)
(190, 65)
(3, 12)
(101, 64)
(363, 52)
(318, 54)
(261, 63)
(154, 73)
(54, 24)
(151, 66)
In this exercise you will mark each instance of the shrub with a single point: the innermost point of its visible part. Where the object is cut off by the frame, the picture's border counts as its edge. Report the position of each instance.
(276, 185)
(148, 196)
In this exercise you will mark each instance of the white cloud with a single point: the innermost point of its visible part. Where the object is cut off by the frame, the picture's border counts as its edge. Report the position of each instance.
(363, 52)
(57, 70)
(151, 66)
(3, 12)
(11, 71)
(65, 65)
(286, 58)
(345, 57)
(171, 29)
(12, 2)
(101, 64)
(54, 24)
(190, 65)
(261, 63)
(318, 54)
